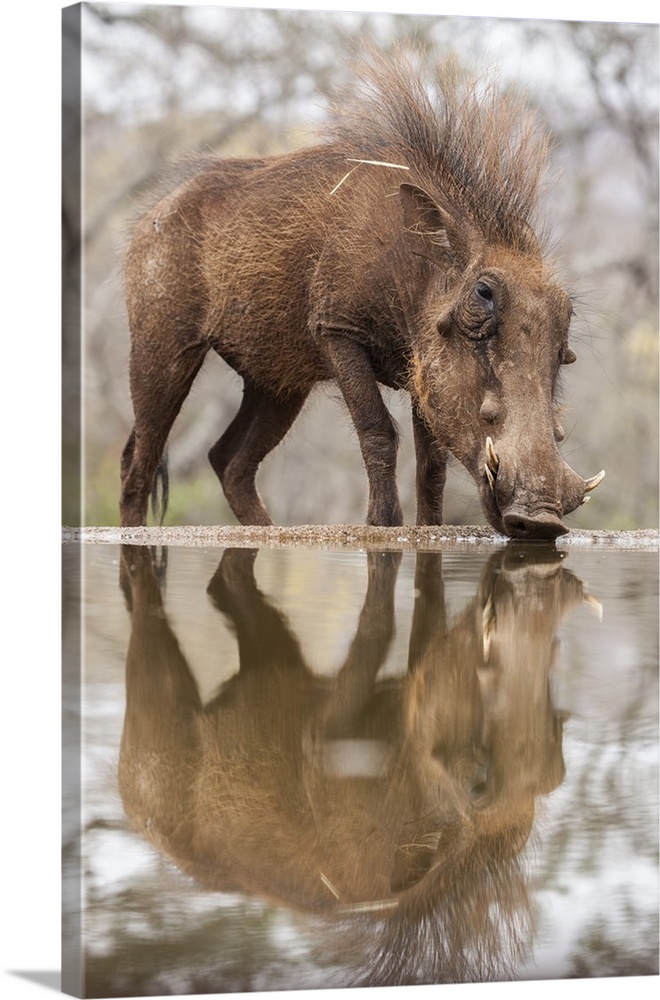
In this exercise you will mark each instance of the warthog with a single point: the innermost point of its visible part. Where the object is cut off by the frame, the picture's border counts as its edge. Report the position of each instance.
(399, 250)
(399, 803)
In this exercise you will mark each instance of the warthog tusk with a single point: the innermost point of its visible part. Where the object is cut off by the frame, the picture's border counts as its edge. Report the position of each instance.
(488, 622)
(584, 500)
(491, 456)
(490, 477)
(591, 484)
(492, 463)
(595, 605)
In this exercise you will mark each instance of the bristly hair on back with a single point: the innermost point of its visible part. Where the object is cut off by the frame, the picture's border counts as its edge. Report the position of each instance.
(478, 148)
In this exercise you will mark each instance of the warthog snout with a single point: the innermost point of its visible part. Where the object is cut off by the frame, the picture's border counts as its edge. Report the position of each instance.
(530, 507)
(542, 527)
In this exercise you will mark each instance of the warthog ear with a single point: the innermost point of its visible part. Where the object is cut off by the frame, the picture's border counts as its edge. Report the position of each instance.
(427, 226)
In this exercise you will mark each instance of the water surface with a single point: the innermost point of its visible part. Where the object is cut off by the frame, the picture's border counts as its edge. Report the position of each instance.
(306, 768)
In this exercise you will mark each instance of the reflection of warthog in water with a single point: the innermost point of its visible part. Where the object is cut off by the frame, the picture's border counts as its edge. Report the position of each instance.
(401, 804)
(401, 252)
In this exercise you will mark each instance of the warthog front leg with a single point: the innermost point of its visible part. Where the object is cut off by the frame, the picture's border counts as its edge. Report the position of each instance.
(429, 623)
(375, 428)
(431, 472)
(355, 684)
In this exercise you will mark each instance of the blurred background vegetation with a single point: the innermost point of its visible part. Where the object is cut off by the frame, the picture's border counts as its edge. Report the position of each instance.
(162, 81)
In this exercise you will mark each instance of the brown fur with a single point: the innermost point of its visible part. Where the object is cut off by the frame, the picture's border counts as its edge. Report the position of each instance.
(317, 265)
(422, 851)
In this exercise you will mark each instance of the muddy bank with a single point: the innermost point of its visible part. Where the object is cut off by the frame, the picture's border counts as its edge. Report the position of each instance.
(342, 536)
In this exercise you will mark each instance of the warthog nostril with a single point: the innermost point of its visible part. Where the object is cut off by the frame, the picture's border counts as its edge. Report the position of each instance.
(540, 527)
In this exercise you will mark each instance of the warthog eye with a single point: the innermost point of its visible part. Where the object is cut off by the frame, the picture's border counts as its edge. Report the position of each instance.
(477, 312)
(484, 292)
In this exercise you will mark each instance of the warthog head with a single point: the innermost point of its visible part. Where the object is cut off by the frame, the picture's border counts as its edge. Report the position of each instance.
(493, 338)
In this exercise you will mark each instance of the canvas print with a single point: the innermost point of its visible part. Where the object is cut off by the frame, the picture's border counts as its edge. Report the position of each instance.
(360, 492)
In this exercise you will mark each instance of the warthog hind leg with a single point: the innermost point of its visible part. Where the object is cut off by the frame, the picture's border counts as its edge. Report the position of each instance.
(260, 424)
(159, 387)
